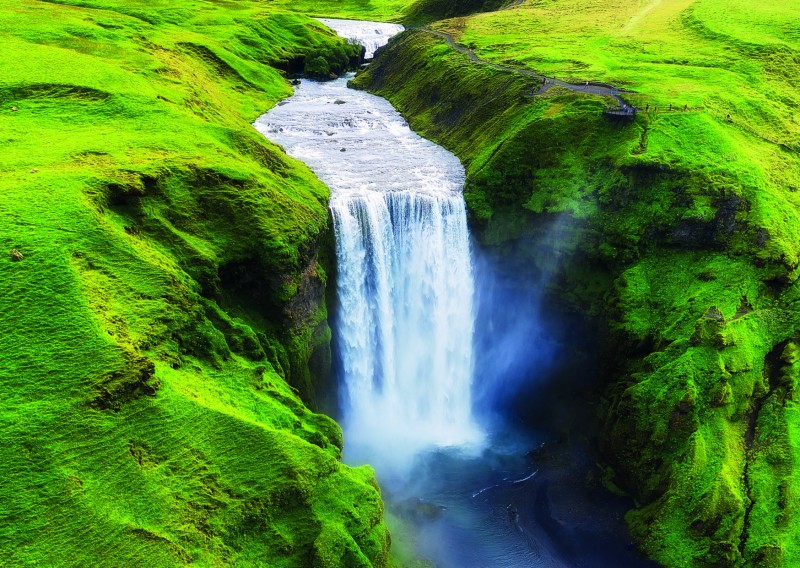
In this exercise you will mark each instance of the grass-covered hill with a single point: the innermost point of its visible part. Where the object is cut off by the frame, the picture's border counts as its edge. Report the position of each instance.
(162, 296)
(409, 12)
(164, 267)
(678, 233)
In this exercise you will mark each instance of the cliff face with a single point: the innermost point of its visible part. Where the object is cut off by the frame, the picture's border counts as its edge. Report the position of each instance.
(164, 319)
(673, 241)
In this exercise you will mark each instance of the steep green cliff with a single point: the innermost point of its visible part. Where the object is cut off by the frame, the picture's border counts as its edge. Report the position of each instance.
(163, 296)
(676, 234)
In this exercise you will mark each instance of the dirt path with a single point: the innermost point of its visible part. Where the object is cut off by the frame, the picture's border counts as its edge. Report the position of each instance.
(588, 89)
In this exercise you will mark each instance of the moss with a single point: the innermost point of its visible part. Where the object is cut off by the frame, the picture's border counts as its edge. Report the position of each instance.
(686, 261)
(168, 295)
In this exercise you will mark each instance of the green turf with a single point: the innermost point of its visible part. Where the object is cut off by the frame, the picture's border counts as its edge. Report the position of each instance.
(169, 301)
(678, 232)
(166, 319)
(729, 57)
(377, 10)
(409, 12)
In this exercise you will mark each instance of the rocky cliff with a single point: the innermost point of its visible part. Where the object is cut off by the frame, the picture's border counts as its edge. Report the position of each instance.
(164, 320)
(680, 255)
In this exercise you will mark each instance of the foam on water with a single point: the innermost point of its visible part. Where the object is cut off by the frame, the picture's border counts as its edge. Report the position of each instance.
(405, 276)
(371, 35)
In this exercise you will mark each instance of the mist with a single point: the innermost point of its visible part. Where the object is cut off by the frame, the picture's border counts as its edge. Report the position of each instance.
(519, 339)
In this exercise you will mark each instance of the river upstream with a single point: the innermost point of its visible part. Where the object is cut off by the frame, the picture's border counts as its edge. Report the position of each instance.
(461, 491)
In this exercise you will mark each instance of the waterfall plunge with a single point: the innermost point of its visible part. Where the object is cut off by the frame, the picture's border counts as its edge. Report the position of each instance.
(405, 319)
(371, 35)
(405, 280)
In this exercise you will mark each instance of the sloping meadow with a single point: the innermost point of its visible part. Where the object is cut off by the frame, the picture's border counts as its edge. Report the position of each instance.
(165, 296)
(677, 235)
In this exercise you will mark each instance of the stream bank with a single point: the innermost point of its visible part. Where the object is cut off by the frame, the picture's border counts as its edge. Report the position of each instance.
(514, 496)
(669, 257)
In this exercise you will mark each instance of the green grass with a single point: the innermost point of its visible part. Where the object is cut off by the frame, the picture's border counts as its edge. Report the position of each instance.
(409, 12)
(166, 299)
(160, 331)
(728, 57)
(678, 232)
(378, 10)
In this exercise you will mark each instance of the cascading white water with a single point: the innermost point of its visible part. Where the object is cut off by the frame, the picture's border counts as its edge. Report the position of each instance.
(405, 335)
(405, 326)
(371, 35)
(405, 279)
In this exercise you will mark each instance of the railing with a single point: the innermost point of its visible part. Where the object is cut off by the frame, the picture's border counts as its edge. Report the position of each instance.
(621, 111)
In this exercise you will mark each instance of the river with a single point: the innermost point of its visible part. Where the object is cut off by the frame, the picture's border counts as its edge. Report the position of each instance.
(460, 491)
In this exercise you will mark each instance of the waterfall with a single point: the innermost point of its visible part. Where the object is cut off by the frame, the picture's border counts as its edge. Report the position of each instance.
(405, 324)
(405, 317)
(404, 330)
(371, 35)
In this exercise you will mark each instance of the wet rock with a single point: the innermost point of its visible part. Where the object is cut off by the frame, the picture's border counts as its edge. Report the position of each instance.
(708, 329)
(537, 453)
(693, 233)
(725, 219)
(715, 314)
(683, 418)
(420, 509)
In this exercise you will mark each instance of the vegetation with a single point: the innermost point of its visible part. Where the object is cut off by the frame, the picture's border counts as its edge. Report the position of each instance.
(678, 231)
(409, 12)
(165, 323)
(163, 296)
(330, 61)
(378, 10)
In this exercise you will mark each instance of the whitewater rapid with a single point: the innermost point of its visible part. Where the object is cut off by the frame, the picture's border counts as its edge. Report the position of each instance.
(405, 319)
(405, 329)
(371, 35)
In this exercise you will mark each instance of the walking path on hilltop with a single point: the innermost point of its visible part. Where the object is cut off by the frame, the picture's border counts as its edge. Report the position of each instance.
(591, 89)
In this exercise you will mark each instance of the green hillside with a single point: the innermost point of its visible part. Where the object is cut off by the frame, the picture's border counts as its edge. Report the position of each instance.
(677, 235)
(165, 329)
(163, 296)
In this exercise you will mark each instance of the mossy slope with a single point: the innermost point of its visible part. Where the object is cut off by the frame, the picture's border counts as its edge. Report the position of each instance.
(409, 12)
(170, 291)
(679, 231)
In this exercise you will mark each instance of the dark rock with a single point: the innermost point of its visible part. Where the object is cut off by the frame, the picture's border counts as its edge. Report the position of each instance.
(420, 509)
(715, 314)
(135, 379)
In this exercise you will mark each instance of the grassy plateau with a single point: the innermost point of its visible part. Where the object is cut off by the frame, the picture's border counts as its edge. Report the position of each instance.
(677, 233)
(164, 330)
(163, 296)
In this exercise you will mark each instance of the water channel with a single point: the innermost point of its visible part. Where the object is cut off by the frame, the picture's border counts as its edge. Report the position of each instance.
(461, 491)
